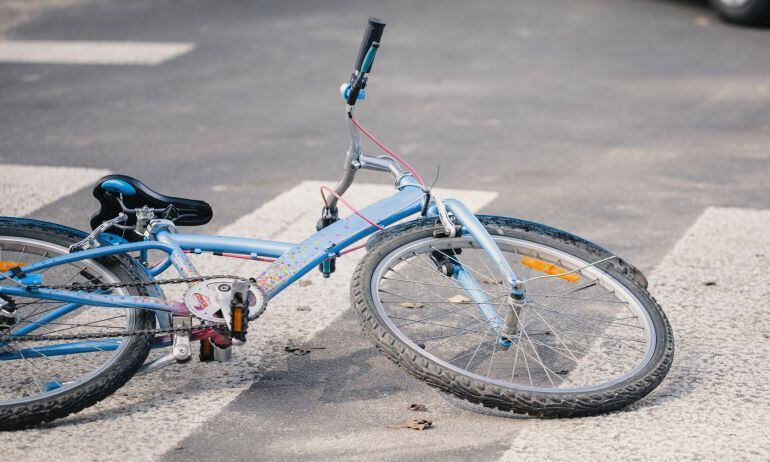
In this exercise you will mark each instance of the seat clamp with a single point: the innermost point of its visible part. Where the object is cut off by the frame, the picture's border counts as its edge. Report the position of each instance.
(159, 224)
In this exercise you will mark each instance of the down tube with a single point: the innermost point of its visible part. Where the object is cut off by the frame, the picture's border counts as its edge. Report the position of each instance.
(329, 241)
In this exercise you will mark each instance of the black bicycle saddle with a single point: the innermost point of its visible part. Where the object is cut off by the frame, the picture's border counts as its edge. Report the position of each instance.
(135, 194)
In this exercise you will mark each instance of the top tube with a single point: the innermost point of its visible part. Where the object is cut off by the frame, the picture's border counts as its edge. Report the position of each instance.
(227, 244)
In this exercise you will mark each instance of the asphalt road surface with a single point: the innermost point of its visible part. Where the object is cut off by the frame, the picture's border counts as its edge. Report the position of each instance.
(643, 125)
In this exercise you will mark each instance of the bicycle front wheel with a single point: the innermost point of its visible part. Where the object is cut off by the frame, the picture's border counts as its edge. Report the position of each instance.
(584, 343)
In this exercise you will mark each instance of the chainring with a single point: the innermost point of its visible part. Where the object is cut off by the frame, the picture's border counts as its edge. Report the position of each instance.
(207, 299)
(260, 303)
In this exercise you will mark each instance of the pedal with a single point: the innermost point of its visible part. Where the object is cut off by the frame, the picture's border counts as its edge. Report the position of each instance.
(239, 312)
(211, 352)
(181, 349)
(206, 353)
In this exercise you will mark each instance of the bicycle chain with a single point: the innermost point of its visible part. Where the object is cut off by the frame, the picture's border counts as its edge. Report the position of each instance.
(116, 285)
(95, 335)
(120, 285)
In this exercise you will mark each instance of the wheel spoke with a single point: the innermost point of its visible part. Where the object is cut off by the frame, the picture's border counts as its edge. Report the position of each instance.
(563, 330)
(29, 366)
(601, 334)
(457, 311)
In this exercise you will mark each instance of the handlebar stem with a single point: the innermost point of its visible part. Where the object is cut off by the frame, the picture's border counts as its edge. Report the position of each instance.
(354, 161)
(351, 159)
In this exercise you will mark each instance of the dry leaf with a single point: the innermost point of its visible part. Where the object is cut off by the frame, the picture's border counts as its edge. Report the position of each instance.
(412, 305)
(418, 424)
(418, 407)
(492, 281)
(459, 298)
(413, 424)
(305, 282)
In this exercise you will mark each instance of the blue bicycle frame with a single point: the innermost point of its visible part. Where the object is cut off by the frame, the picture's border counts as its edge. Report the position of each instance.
(292, 261)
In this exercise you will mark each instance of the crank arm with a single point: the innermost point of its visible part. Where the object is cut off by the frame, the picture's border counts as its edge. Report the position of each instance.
(181, 350)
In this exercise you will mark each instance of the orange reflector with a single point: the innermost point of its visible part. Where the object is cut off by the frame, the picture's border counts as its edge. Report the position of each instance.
(549, 268)
(7, 265)
(237, 319)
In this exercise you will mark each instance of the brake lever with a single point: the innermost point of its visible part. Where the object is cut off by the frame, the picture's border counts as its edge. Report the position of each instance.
(92, 240)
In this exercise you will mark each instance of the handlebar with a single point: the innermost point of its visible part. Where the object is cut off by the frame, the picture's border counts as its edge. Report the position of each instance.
(365, 58)
(372, 34)
(350, 92)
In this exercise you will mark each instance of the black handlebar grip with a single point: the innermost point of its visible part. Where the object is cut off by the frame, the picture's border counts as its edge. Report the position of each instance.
(373, 33)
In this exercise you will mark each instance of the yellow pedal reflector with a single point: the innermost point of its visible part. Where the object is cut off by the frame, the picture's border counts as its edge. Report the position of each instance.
(549, 268)
(7, 265)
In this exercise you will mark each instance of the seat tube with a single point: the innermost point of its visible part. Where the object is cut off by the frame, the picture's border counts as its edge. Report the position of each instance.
(178, 258)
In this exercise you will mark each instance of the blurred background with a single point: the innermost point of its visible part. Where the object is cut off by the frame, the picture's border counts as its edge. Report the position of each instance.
(617, 119)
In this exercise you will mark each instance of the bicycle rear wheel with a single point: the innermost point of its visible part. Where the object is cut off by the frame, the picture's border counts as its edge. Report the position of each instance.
(586, 343)
(38, 381)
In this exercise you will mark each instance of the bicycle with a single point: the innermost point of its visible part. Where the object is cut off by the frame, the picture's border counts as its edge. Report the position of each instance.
(500, 311)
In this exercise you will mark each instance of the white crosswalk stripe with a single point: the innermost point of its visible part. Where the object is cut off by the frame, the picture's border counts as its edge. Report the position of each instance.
(94, 53)
(720, 333)
(715, 403)
(26, 188)
(154, 412)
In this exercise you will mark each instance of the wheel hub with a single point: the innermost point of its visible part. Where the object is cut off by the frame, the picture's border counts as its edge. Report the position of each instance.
(510, 327)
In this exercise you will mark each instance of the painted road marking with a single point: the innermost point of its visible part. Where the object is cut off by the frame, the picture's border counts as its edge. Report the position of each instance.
(715, 403)
(26, 188)
(153, 413)
(82, 52)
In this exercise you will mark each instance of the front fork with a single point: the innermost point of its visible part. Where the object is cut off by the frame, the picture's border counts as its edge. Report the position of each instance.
(508, 326)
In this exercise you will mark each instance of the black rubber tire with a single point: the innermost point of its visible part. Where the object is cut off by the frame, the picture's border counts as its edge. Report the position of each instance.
(753, 13)
(546, 404)
(47, 408)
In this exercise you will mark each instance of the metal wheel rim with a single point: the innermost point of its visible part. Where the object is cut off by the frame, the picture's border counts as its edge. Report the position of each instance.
(108, 277)
(385, 265)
